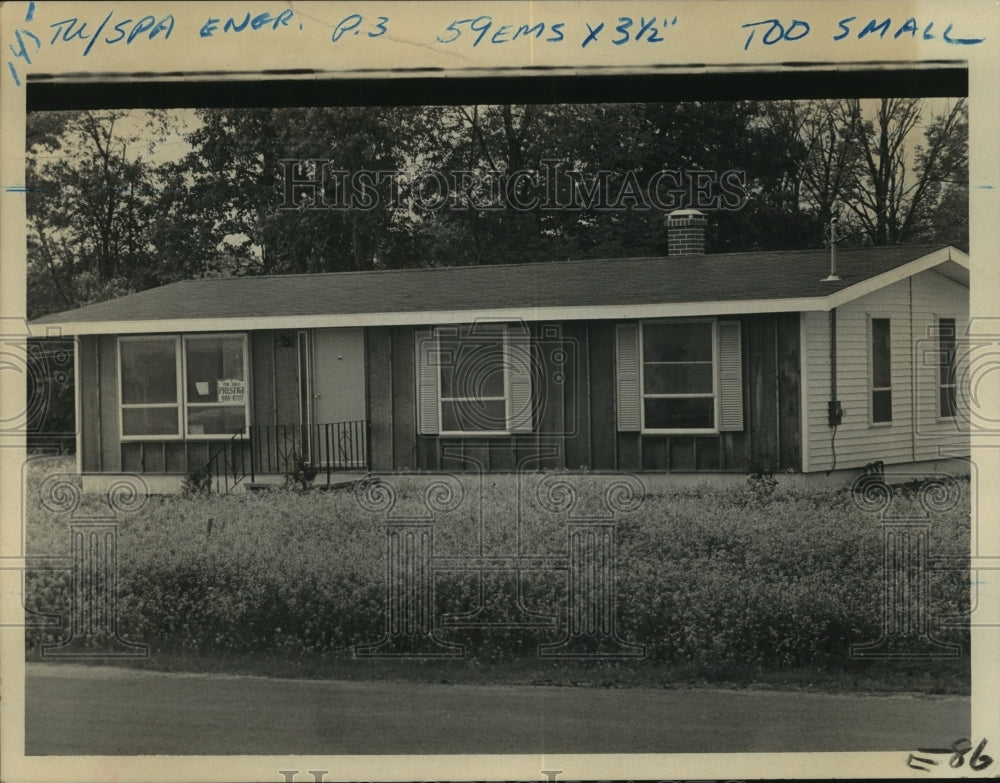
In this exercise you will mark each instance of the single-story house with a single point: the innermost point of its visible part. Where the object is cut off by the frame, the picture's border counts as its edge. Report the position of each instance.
(795, 361)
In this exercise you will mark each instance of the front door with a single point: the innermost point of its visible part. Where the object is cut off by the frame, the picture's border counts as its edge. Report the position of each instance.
(339, 426)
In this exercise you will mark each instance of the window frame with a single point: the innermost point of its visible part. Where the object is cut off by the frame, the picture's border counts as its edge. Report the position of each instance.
(182, 404)
(872, 389)
(178, 405)
(246, 380)
(442, 432)
(951, 366)
(714, 429)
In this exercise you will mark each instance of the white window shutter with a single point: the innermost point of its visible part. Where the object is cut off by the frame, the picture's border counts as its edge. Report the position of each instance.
(730, 377)
(428, 382)
(519, 378)
(627, 366)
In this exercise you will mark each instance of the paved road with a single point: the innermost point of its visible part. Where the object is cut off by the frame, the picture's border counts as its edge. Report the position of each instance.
(76, 709)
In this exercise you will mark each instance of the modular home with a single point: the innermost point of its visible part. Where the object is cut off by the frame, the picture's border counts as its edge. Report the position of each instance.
(805, 362)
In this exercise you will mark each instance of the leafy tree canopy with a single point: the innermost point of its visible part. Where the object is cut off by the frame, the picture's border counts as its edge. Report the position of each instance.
(109, 213)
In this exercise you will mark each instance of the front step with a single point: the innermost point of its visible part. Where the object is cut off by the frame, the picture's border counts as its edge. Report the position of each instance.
(339, 481)
(260, 487)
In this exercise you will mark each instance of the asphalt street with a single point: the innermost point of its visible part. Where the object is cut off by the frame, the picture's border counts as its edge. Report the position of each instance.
(87, 710)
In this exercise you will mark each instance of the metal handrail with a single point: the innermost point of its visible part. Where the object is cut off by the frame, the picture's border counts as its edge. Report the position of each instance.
(222, 465)
(328, 448)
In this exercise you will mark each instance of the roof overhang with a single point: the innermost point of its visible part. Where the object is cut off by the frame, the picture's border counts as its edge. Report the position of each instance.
(432, 317)
(901, 272)
(958, 260)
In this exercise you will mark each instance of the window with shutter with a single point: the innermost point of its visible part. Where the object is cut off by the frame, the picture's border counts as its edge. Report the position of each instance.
(730, 377)
(629, 398)
(519, 379)
(680, 376)
(428, 413)
(474, 379)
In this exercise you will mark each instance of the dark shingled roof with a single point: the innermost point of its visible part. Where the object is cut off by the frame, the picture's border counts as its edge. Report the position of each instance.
(625, 281)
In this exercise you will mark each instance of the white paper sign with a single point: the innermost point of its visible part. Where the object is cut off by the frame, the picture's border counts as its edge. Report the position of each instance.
(232, 391)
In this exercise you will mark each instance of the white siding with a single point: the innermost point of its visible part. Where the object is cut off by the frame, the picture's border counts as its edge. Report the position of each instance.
(936, 296)
(908, 437)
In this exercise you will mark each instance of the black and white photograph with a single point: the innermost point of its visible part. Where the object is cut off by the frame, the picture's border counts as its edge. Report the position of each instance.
(542, 417)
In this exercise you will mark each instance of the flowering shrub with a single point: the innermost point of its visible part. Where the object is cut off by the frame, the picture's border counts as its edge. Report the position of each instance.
(197, 482)
(301, 473)
(717, 578)
(708, 577)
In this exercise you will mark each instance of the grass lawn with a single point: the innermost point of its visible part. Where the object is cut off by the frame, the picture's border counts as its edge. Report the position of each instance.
(755, 586)
(931, 678)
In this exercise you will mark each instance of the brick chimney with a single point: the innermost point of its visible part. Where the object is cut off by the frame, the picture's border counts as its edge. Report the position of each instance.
(686, 233)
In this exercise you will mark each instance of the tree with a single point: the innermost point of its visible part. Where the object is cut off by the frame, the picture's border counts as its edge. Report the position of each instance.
(107, 217)
(892, 185)
(91, 206)
(864, 163)
(236, 185)
(616, 148)
(942, 212)
(815, 173)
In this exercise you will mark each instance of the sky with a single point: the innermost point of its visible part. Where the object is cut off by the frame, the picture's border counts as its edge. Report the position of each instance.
(174, 146)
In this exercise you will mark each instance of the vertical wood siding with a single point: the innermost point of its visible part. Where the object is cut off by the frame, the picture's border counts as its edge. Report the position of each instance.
(263, 377)
(111, 459)
(770, 438)
(404, 401)
(599, 396)
(378, 348)
(286, 377)
(858, 441)
(575, 414)
(88, 387)
(576, 409)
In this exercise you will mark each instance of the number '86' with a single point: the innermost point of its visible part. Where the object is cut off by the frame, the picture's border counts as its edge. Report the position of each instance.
(977, 761)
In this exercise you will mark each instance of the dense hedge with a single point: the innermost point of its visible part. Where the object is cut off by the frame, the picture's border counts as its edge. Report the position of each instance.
(749, 575)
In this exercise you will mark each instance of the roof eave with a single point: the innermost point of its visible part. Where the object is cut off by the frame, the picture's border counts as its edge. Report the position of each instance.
(553, 313)
(434, 317)
(901, 272)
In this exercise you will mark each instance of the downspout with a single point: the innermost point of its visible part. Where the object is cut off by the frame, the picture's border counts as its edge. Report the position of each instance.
(914, 377)
(804, 386)
(834, 411)
(77, 406)
(833, 353)
(777, 397)
(274, 379)
(99, 385)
